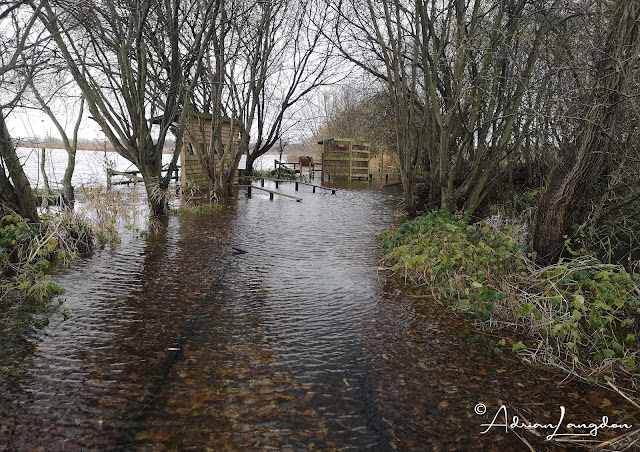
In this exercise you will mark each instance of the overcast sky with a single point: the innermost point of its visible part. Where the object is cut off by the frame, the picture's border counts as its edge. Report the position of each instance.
(29, 123)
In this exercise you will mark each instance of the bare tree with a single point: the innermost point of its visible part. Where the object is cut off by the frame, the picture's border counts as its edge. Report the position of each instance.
(15, 191)
(457, 73)
(303, 62)
(265, 59)
(19, 59)
(219, 154)
(400, 53)
(70, 142)
(130, 64)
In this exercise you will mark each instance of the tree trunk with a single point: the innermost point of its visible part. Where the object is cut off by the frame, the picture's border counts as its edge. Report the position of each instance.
(157, 202)
(250, 161)
(408, 188)
(68, 190)
(15, 190)
(564, 202)
(43, 170)
(151, 172)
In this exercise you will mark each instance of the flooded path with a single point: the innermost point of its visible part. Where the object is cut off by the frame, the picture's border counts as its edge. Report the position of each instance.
(177, 342)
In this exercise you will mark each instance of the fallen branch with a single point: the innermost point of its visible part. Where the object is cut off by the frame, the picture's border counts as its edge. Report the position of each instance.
(624, 395)
(611, 441)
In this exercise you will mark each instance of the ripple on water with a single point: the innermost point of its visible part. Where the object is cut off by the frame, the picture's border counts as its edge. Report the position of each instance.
(175, 342)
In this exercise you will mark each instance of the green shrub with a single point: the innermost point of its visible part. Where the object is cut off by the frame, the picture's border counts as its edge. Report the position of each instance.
(439, 246)
(27, 250)
(579, 314)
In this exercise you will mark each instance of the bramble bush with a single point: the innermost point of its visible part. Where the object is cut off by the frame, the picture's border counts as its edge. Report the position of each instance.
(579, 314)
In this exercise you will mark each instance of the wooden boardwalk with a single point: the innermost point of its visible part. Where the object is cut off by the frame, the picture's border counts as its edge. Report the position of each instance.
(132, 176)
(271, 192)
(278, 181)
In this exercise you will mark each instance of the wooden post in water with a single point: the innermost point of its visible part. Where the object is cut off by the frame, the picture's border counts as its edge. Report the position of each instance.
(262, 182)
(271, 196)
(296, 186)
(276, 183)
(249, 192)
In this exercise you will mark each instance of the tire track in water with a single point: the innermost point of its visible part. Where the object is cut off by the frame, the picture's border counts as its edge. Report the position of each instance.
(149, 415)
(273, 358)
(156, 386)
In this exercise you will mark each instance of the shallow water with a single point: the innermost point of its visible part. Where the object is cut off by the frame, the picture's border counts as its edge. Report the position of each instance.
(177, 335)
(177, 342)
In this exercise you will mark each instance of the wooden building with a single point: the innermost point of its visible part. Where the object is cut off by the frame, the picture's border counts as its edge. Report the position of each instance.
(345, 159)
(198, 133)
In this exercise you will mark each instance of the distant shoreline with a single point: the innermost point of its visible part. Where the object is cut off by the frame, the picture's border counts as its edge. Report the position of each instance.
(108, 147)
(82, 146)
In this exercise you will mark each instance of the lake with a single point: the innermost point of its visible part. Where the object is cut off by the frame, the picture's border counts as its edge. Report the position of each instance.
(91, 166)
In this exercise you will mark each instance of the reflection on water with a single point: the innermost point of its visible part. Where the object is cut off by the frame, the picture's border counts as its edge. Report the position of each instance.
(179, 343)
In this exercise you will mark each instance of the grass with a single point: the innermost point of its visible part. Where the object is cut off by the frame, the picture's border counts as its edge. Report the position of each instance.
(579, 314)
(27, 252)
(194, 209)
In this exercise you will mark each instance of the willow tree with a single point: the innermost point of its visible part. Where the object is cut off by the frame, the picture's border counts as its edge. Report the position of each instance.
(241, 28)
(214, 154)
(457, 73)
(591, 153)
(16, 194)
(70, 141)
(264, 60)
(128, 61)
(400, 52)
(302, 61)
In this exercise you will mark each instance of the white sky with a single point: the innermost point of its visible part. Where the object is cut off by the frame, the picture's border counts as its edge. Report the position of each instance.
(30, 123)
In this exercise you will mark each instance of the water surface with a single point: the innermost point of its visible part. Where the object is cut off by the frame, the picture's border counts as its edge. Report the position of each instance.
(180, 342)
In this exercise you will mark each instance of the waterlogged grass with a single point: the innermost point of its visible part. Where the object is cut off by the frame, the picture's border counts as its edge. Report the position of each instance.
(194, 209)
(27, 251)
(579, 314)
